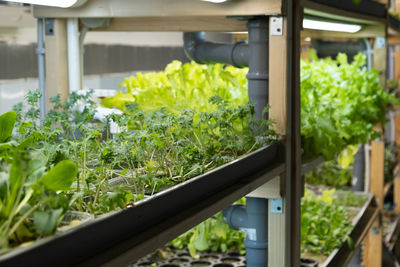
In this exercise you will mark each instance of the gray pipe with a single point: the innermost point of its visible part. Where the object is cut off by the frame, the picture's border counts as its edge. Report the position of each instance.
(369, 52)
(253, 220)
(329, 48)
(40, 51)
(202, 51)
(258, 64)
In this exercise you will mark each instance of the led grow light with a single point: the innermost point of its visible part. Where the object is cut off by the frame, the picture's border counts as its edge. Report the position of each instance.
(215, 1)
(54, 3)
(330, 26)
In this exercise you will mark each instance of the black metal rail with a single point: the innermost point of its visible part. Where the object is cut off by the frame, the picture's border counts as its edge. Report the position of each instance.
(394, 23)
(122, 237)
(362, 223)
(366, 7)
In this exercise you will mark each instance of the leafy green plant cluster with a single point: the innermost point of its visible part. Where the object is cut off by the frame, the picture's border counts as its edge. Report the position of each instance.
(100, 172)
(31, 204)
(211, 235)
(340, 103)
(325, 224)
(183, 86)
(330, 173)
(336, 173)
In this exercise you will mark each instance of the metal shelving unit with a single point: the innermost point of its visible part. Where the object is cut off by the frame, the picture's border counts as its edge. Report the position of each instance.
(123, 237)
(120, 238)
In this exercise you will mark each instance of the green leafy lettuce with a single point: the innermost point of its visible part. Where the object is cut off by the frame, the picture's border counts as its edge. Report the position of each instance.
(183, 86)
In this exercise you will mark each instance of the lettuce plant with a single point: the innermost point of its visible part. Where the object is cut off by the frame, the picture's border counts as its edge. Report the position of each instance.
(183, 86)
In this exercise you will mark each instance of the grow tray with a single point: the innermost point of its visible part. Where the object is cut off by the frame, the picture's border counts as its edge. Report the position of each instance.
(363, 218)
(390, 227)
(394, 23)
(365, 7)
(181, 258)
(122, 237)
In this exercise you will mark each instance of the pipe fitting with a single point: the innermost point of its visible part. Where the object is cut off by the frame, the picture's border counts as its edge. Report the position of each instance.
(252, 219)
(235, 216)
(203, 51)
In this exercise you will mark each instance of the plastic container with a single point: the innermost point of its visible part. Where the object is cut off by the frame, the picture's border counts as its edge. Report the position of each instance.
(74, 218)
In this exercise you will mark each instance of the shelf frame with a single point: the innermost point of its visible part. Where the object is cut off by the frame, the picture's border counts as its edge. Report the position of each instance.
(362, 224)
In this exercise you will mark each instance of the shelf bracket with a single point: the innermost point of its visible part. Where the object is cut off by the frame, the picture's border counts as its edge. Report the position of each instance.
(277, 205)
(276, 26)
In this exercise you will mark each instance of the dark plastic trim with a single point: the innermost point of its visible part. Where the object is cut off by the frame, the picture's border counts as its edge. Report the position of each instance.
(105, 238)
(362, 223)
(366, 7)
(394, 23)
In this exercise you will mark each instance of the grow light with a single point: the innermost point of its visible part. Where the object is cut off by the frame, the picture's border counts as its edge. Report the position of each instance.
(54, 3)
(330, 26)
(215, 1)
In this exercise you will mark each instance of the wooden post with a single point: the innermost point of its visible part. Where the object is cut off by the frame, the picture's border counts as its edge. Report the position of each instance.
(396, 188)
(277, 112)
(56, 60)
(373, 240)
(379, 58)
(277, 81)
(276, 237)
(397, 6)
(396, 172)
(397, 64)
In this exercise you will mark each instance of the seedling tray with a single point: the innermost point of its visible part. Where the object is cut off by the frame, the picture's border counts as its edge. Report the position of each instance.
(122, 237)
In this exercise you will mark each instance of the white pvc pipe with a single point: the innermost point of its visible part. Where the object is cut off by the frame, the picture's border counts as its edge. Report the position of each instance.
(74, 66)
(41, 68)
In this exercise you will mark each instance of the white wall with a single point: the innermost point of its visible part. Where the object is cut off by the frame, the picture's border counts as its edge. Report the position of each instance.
(13, 91)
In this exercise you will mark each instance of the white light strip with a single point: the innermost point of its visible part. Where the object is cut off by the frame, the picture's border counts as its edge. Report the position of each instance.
(330, 26)
(215, 1)
(54, 3)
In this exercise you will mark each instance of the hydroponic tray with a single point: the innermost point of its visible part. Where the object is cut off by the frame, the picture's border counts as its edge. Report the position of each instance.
(394, 23)
(362, 223)
(122, 237)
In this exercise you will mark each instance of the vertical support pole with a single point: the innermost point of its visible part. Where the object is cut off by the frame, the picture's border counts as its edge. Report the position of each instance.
(56, 59)
(397, 64)
(74, 58)
(396, 174)
(278, 113)
(379, 61)
(373, 240)
(276, 236)
(41, 68)
(396, 188)
(277, 81)
(292, 184)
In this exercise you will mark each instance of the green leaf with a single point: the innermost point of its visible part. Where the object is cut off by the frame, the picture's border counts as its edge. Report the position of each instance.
(7, 121)
(16, 175)
(61, 176)
(200, 243)
(46, 221)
